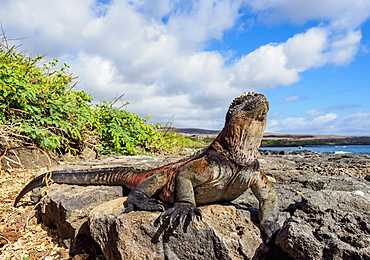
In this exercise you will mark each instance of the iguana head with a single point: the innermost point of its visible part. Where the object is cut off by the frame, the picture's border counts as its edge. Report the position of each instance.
(249, 104)
(244, 126)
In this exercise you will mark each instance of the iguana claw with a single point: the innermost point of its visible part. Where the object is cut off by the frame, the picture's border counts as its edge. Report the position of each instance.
(180, 211)
(137, 200)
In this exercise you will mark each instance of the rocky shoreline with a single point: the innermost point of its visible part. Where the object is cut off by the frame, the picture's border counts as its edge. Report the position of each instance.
(324, 204)
(283, 165)
(328, 200)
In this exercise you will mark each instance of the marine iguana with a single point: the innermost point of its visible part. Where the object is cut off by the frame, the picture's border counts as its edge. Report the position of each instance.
(221, 172)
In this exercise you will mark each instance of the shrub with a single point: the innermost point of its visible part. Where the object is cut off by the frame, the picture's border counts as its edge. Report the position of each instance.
(39, 103)
(123, 132)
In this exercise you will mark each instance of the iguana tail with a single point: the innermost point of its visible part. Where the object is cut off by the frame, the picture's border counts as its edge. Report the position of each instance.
(118, 176)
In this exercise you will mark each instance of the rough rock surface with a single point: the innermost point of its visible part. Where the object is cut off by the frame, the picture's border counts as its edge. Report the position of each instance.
(328, 200)
(225, 233)
(324, 198)
(67, 207)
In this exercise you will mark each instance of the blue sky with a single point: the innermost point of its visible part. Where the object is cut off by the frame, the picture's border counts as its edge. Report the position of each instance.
(187, 60)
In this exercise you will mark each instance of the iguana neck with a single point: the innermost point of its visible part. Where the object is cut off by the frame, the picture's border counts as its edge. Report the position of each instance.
(240, 138)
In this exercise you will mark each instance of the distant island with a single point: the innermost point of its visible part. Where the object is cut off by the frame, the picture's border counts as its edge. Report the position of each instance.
(272, 139)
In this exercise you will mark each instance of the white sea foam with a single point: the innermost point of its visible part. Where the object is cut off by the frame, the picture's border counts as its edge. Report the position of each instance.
(340, 152)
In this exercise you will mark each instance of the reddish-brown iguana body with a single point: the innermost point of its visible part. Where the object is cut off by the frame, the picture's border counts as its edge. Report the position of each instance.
(222, 172)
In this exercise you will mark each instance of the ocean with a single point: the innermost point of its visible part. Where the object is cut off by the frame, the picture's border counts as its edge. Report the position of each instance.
(326, 149)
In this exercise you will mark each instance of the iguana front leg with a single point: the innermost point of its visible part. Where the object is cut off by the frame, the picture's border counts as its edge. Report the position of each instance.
(185, 206)
(191, 175)
(140, 197)
(265, 192)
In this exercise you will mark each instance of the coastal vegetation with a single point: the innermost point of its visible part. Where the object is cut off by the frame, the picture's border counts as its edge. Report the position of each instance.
(40, 106)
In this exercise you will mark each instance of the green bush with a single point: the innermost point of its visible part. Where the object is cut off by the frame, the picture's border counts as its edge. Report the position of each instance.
(123, 132)
(38, 104)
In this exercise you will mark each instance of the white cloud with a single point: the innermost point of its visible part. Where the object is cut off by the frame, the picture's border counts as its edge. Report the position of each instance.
(154, 51)
(344, 48)
(314, 112)
(357, 124)
(318, 123)
(331, 109)
(291, 99)
(340, 14)
(338, 31)
(50, 27)
(202, 20)
(324, 119)
(275, 65)
(264, 68)
(322, 123)
(306, 50)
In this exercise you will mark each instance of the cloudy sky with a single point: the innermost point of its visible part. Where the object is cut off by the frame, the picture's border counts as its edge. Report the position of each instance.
(188, 59)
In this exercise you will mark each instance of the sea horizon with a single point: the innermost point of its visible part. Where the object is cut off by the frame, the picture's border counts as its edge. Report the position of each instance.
(325, 149)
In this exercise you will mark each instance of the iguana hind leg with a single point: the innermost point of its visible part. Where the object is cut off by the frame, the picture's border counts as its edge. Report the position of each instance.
(140, 197)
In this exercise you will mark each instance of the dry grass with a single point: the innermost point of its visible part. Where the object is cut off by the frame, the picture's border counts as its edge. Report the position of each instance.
(21, 237)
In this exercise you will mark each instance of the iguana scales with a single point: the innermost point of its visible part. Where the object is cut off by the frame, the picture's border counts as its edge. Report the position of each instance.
(221, 172)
